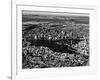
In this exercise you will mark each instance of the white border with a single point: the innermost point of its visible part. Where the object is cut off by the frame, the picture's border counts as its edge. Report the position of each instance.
(18, 73)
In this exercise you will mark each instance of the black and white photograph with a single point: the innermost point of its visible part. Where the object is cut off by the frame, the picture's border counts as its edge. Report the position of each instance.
(51, 40)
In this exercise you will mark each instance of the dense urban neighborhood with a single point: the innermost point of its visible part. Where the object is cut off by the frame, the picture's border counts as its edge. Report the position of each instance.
(50, 41)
